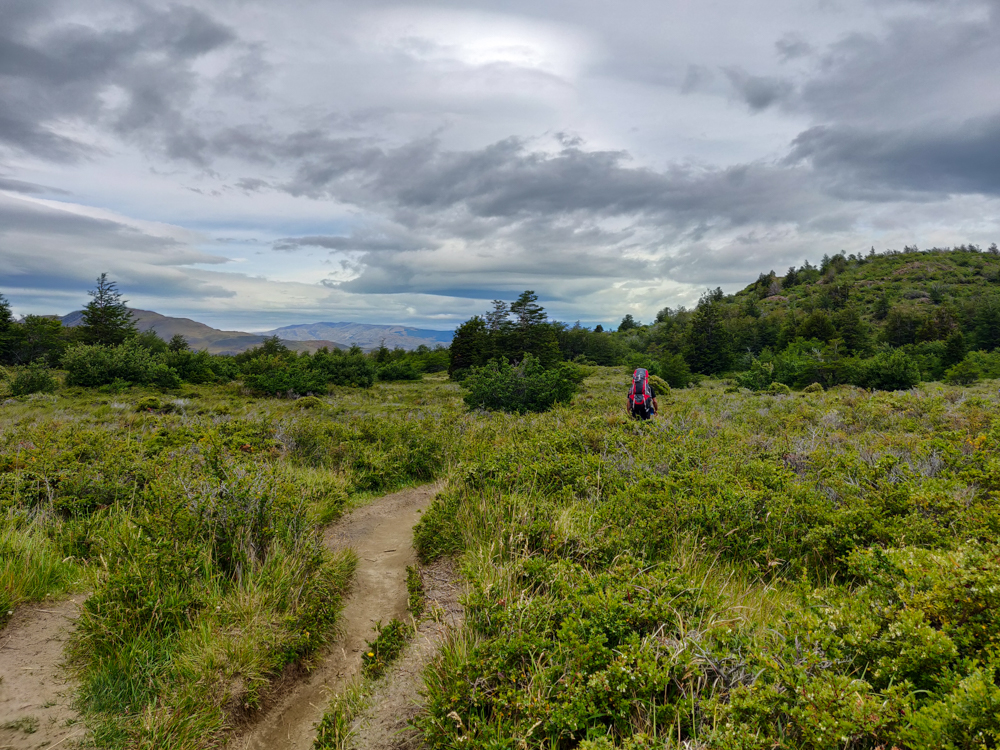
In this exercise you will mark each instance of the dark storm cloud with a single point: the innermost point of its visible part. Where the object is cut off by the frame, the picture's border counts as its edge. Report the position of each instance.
(52, 71)
(510, 181)
(964, 159)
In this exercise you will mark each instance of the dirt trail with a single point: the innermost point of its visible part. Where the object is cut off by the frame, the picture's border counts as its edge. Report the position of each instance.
(35, 691)
(381, 534)
(395, 703)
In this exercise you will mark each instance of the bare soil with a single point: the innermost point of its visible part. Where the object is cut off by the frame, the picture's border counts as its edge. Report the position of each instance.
(35, 691)
(382, 535)
(386, 725)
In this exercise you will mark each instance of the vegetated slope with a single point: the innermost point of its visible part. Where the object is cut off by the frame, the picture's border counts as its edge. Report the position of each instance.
(882, 321)
(367, 336)
(201, 336)
(743, 572)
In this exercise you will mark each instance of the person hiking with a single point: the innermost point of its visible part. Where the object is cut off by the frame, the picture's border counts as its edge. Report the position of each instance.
(641, 402)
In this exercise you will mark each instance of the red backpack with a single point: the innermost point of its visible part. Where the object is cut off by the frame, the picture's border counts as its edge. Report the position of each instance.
(640, 394)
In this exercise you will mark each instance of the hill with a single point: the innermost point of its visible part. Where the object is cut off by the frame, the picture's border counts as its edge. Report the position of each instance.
(201, 336)
(366, 336)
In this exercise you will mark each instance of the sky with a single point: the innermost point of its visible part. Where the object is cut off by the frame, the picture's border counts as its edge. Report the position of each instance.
(252, 164)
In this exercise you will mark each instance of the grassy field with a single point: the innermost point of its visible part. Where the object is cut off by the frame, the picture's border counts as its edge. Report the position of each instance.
(193, 520)
(813, 570)
(747, 571)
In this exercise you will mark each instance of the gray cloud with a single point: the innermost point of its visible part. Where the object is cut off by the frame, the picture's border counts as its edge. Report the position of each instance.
(52, 71)
(758, 92)
(964, 159)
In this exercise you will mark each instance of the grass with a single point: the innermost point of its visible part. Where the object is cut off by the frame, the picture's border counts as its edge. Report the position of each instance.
(803, 570)
(745, 571)
(196, 521)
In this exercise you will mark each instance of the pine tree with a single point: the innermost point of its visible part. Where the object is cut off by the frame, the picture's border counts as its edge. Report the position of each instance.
(468, 346)
(6, 331)
(106, 319)
(708, 347)
(527, 311)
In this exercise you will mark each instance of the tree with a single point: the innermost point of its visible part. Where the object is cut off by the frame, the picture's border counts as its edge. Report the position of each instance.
(628, 323)
(6, 331)
(526, 310)
(498, 319)
(954, 349)
(468, 347)
(708, 345)
(106, 319)
(178, 343)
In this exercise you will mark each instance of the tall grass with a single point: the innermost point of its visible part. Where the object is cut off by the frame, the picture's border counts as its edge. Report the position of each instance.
(32, 567)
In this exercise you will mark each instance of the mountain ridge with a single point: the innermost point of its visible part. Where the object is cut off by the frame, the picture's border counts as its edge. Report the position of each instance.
(305, 337)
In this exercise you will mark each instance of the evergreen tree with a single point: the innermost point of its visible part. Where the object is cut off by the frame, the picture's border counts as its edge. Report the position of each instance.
(178, 343)
(468, 347)
(954, 350)
(106, 319)
(498, 319)
(6, 331)
(526, 311)
(709, 348)
(628, 323)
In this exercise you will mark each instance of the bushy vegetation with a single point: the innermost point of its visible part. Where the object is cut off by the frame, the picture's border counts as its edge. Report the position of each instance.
(195, 524)
(797, 571)
(524, 387)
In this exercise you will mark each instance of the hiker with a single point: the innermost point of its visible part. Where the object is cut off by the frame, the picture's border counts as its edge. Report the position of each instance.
(641, 402)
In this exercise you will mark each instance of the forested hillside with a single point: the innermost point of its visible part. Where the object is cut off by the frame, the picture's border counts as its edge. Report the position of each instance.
(883, 320)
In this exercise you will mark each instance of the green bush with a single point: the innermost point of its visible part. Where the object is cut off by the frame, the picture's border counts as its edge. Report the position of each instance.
(525, 387)
(398, 370)
(813, 388)
(94, 365)
(965, 372)
(674, 369)
(35, 378)
(758, 378)
(887, 371)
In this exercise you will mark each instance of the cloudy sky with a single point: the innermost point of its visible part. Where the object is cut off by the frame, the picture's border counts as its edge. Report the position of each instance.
(251, 163)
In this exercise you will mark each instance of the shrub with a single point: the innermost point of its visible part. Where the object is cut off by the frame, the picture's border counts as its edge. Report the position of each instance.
(275, 375)
(778, 389)
(674, 369)
(758, 377)
(965, 372)
(659, 385)
(813, 388)
(35, 378)
(527, 386)
(888, 371)
(96, 364)
(353, 370)
(399, 370)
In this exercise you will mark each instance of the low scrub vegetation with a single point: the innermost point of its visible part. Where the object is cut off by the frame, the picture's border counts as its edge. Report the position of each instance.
(745, 571)
(195, 523)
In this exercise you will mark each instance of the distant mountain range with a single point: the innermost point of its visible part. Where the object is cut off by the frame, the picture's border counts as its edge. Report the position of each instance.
(366, 336)
(300, 338)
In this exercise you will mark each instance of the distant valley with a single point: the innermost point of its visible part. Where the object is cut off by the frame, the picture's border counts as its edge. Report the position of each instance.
(302, 338)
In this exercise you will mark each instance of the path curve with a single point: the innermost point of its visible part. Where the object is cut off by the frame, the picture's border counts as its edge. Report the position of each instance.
(381, 534)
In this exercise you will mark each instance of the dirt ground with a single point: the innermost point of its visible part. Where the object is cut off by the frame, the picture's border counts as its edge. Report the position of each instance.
(34, 690)
(381, 534)
(396, 700)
